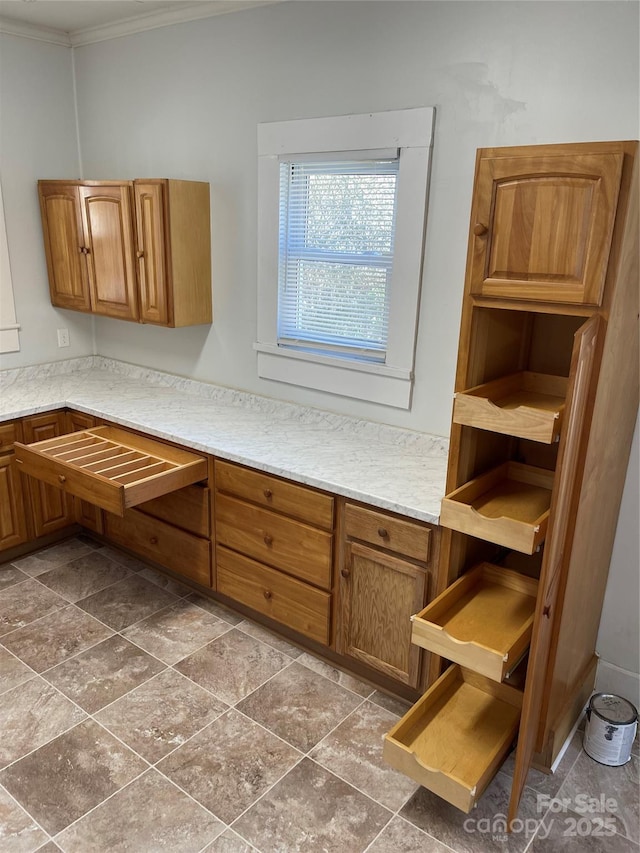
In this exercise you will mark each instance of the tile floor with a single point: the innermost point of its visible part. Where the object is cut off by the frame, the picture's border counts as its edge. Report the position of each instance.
(137, 715)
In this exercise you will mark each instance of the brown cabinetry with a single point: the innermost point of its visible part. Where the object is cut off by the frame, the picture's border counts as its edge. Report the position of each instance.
(274, 548)
(546, 399)
(134, 250)
(383, 583)
(13, 527)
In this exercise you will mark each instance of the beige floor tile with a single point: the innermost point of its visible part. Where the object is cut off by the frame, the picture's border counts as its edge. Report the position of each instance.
(229, 764)
(268, 637)
(148, 816)
(66, 777)
(12, 671)
(128, 601)
(10, 575)
(216, 608)
(229, 842)
(24, 603)
(48, 558)
(399, 836)
(165, 582)
(83, 576)
(19, 833)
(161, 714)
(569, 832)
(344, 679)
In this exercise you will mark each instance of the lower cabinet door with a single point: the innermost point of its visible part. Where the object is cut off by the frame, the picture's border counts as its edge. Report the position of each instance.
(51, 509)
(176, 549)
(379, 594)
(13, 529)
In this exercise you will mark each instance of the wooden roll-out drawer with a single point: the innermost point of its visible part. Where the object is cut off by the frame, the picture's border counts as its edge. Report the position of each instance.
(176, 549)
(110, 467)
(296, 501)
(294, 547)
(396, 534)
(288, 601)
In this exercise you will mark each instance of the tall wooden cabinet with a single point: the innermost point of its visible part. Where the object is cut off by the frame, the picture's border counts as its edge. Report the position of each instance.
(545, 404)
(135, 250)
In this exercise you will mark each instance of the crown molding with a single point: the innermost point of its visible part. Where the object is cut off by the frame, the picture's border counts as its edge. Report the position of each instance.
(149, 21)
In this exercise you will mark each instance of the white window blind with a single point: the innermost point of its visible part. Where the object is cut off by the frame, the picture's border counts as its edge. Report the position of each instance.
(336, 241)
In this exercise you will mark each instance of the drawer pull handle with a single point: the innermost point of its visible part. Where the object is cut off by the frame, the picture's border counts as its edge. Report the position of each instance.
(153, 540)
(345, 573)
(546, 610)
(268, 494)
(62, 478)
(268, 540)
(267, 594)
(383, 533)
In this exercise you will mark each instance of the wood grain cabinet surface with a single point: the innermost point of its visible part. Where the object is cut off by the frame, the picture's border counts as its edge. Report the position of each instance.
(13, 526)
(547, 391)
(134, 250)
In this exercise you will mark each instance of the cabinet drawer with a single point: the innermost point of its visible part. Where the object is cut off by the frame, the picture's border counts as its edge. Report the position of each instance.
(110, 467)
(288, 601)
(290, 499)
(188, 508)
(298, 549)
(454, 739)
(177, 550)
(8, 434)
(404, 537)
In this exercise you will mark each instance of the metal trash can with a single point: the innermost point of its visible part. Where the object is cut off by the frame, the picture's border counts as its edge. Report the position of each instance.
(611, 727)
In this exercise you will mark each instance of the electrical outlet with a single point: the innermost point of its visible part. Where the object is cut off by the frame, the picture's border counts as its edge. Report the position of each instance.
(63, 337)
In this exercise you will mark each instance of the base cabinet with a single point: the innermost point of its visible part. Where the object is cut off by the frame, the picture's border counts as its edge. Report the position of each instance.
(51, 509)
(13, 528)
(382, 585)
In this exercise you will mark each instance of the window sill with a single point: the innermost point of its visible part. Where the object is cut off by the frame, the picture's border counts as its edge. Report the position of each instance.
(377, 383)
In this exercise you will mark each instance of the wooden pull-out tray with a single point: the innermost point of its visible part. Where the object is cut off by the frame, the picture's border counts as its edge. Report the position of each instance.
(525, 405)
(454, 739)
(110, 467)
(483, 621)
(508, 505)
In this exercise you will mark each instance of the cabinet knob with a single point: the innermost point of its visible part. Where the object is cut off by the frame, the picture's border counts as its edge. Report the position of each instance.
(546, 610)
(268, 494)
(268, 540)
(140, 254)
(153, 540)
(480, 229)
(267, 594)
(383, 533)
(62, 478)
(345, 573)
(83, 250)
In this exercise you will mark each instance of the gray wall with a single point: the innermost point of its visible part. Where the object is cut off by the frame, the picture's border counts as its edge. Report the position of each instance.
(184, 101)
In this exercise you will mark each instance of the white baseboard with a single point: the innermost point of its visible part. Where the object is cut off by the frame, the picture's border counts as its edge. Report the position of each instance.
(613, 679)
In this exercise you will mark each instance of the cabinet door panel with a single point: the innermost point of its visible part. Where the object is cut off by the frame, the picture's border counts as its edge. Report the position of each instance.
(542, 226)
(13, 530)
(50, 507)
(379, 594)
(152, 250)
(566, 495)
(106, 212)
(63, 242)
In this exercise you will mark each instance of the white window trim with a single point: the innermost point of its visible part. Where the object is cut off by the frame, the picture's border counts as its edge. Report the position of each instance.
(9, 328)
(409, 130)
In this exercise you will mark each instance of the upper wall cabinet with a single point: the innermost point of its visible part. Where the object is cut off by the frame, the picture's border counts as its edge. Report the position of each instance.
(542, 225)
(136, 250)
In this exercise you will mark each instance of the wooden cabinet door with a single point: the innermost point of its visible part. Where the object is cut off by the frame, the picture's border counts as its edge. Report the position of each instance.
(13, 528)
(107, 222)
(50, 507)
(566, 494)
(379, 594)
(65, 245)
(86, 514)
(152, 247)
(542, 226)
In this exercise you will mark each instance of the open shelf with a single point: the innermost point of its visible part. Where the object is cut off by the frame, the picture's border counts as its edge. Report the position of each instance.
(524, 404)
(508, 505)
(454, 739)
(110, 467)
(483, 621)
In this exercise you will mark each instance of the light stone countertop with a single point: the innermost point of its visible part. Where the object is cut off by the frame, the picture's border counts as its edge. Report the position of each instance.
(395, 469)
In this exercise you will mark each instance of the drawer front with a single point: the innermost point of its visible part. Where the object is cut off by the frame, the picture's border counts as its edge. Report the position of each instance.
(8, 434)
(404, 537)
(290, 602)
(187, 508)
(298, 549)
(282, 496)
(181, 552)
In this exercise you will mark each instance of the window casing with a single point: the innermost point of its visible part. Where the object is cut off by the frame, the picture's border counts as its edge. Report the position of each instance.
(340, 241)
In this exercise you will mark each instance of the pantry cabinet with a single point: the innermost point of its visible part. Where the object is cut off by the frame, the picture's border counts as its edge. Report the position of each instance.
(133, 250)
(545, 402)
(384, 580)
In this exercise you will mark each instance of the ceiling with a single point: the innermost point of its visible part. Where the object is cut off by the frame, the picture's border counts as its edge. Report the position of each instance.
(75, 16)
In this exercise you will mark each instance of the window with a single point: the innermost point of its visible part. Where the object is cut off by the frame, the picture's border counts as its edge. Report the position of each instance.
(340, 237)
(9, 341)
